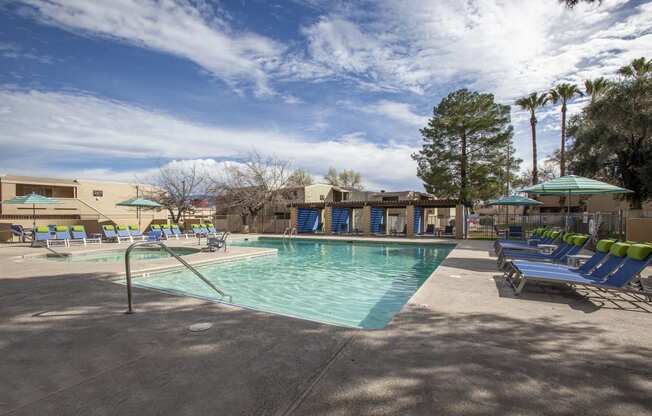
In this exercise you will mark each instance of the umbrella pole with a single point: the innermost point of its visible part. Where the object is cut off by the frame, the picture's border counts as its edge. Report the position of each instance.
(33, 218)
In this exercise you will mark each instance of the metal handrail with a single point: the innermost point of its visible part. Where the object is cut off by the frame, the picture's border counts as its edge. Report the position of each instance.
(171, 253)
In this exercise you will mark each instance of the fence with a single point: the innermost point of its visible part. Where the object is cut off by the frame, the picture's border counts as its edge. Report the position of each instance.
(598, 224)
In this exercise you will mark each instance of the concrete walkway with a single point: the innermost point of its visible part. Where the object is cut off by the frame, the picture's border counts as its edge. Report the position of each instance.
(463, 345)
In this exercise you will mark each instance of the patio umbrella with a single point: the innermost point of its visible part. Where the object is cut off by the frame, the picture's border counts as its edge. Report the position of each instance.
(514, 200)
(573, 185)
(139, 203)
(32, 199)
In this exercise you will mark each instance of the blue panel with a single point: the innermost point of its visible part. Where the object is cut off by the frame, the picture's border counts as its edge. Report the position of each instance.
(418, 215)
(340, 220)
(377, 220)
(307, 220)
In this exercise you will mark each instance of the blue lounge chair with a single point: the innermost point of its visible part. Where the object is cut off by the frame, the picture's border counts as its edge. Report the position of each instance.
(515, 231)
(168, 233)
(61, 235)
(155, 233)
(636, 258)
(123, 233)
(572, 244)
(548, 237)
(42, 235)
(135, 233)
(211, 229)
(108, 231)
(600, 259)
(78, 234)
(535, 238)
(176, 230)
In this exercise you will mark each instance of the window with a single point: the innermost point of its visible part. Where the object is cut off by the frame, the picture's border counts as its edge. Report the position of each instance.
(322, 197)
(98, 193)
(282, 215)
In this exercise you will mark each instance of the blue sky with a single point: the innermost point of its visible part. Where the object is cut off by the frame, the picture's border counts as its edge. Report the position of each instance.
(113, 89)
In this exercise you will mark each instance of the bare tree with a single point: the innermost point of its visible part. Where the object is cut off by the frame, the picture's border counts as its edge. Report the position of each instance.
(250, 185)
(348, 178)
(300, 177)
(176, 184)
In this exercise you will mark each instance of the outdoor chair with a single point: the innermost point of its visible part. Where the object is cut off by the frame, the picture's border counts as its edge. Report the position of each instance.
(108, 231)
(135, 233)
(216, 243)
(123, 233)
(572, 244)
(619, 277)
(79, 236)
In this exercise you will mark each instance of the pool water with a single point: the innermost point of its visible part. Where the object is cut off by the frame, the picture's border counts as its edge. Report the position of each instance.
(139, 254)
(354, 284)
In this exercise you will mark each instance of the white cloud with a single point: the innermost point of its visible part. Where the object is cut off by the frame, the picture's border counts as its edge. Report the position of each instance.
(175, 27)
(510, 48)
(398, 111)
(45, 127)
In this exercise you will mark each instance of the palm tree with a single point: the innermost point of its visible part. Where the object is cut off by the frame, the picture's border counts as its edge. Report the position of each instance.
(637, 68)
(596, 87)
(563, 92)
(531, 103)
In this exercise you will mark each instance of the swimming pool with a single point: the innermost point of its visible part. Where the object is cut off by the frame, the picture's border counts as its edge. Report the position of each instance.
(112, 256)
(356, 284)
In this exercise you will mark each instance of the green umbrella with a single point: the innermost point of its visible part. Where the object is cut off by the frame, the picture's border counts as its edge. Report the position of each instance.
(139, 203)
(32, 199)
(573, 185)
(514, 200)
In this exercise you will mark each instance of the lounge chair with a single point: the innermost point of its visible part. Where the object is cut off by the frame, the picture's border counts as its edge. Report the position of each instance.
(155, 233)
(544, 237)
(79, 236)
(600, 259)
(176, 230)
(515, 231)
(211, 229)
(572, 244)
(430, 229)
(42, 235)
(448, 231)
(630, 265)
(199, 230)
(124, 233)
(216, 243)
(108, 231)
(135, 233)
(61, 236)
(167, 232)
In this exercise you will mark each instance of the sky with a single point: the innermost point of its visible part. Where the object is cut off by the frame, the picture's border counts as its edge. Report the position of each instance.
(114, 89)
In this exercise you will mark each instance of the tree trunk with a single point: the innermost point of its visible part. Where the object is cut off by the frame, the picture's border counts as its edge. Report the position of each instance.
(562, 153)
(463, 174)
(535, 169)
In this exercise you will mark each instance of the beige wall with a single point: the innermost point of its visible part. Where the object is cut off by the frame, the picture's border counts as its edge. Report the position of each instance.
(313, 193)
(86, 205)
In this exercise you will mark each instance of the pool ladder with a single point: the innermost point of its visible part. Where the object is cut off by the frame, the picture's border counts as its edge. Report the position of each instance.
(171, 253)
(289, 232)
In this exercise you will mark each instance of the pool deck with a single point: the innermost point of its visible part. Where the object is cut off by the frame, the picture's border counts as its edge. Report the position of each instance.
(463, 345)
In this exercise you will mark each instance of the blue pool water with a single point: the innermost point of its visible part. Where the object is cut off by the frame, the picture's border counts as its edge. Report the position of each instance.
(359, 284)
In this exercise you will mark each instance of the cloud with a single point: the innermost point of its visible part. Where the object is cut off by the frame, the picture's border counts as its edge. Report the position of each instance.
(510, 48)
(397, 111)
(10, 50)
(175, 27)
(41, 129)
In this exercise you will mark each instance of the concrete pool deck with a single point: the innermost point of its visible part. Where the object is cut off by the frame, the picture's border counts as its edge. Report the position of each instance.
(462, 345)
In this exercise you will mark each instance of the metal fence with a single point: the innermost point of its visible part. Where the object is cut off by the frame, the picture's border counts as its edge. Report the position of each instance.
(598, 224)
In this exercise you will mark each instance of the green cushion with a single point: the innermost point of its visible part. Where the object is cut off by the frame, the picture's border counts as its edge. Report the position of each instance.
(174, 226)
(155, 227)
(209, 224)
(78, 228)
(619, 249)
(122, 227)
(133, 227)
(603, 246)
(42, 229)
(109, 227)
(579, 240)
(554, 234)
(61, 228)
(639, 251)
(568, 238)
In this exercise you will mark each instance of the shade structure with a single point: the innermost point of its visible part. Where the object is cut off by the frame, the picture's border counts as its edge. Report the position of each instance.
(32, 199)
(570, 185)
(516, 200)
(573, 185)
(139, 203)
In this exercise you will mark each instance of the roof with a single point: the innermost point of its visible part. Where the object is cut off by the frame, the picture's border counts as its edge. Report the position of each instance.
(37, 180)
